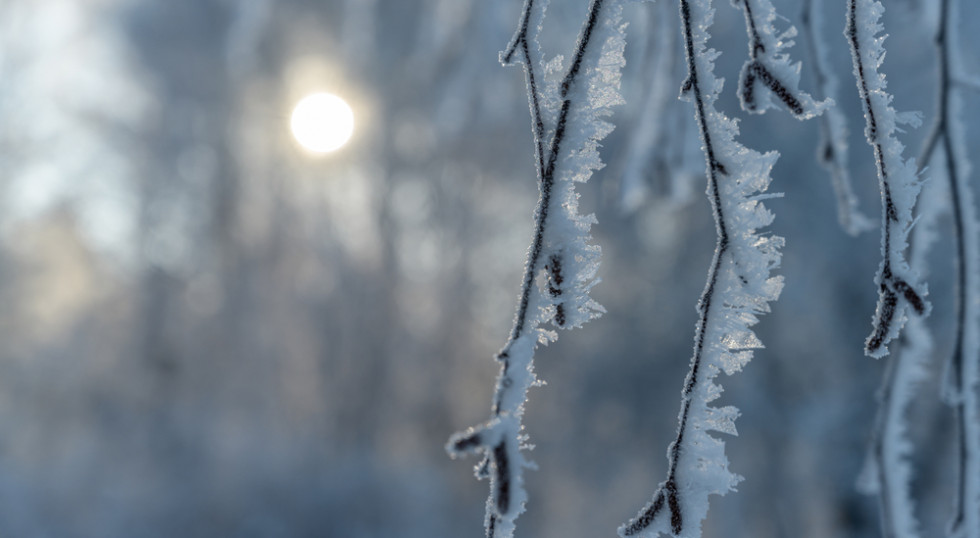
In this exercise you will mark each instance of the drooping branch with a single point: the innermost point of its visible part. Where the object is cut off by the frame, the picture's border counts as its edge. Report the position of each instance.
(655, 148)
(738, 289)
(521, 41)
(565, 153)
(769, 65)
(898, 286)
(883, 476)
(832, 150)
(889, 456)
(963, 368)
(888, 471)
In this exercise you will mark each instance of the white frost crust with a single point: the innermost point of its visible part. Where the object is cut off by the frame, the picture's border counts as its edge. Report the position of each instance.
(901, 386)
(967, 394)
(663, 158)
(769, 52)
(834, 134)
(565, 269)
(742, 293)
(832, 151)
(892, 463)
(897, 176)
(912, 371)
(971, 243)
(894, 466)
(649, 143)
(568, 236)
(735, 295)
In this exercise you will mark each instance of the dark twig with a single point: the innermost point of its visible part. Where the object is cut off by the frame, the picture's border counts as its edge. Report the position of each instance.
(756, 71)
(546, 165)
(885, 410)
(520, 41)
(962, 212)
(887, 469)
(832, 151)
(893, 289)
(546, 162)
(668, 489)
(755, 46)
(497, 445)
(761, 67)
(555, 281)
(737, 290)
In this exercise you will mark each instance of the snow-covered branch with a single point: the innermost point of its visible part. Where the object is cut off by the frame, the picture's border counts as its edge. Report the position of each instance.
(898, 286)
(738, 289)
(964, 371)
(832, 150)
(658, 147)
(567, 118)
(888, 471)
(769, 65)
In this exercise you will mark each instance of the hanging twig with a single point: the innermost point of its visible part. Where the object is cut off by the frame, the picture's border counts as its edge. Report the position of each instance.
(564, 154)
(738, 289)
(769, 65)
(961, 386)
(898, 286)
(887, 470)
(832, 150)
(654, 142)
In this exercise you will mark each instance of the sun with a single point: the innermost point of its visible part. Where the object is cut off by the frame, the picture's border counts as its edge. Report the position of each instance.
(322, 122)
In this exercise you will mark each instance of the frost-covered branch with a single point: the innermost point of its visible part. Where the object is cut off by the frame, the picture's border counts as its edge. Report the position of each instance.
(770, 66)
(655, 148)
(947, 135)
(888, 466)
(738, 289)
(565, 153)
(898, 286)
(832, 150)
(888, 471)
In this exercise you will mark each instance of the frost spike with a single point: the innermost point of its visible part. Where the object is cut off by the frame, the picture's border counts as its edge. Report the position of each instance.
(963, 367)
(655, 157)
(566, 152)
(898, 286)
(887, 472)
(770, 66)
(832, 150)
(738, 289)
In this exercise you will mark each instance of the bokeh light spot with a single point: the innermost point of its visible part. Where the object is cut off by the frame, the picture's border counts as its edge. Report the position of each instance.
(322, 122)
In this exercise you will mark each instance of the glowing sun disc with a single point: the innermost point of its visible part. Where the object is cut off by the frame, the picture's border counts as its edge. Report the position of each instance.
(322, 122)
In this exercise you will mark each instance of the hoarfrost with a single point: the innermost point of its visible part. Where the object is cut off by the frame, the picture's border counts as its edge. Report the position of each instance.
(738, 289)
(963, 379)
(887, 471)
(769, 66)
(567, 118)
(662, 158)
(832, 149)
(899, 288)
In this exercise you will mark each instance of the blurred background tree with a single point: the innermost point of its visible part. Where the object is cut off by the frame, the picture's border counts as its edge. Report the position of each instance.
(210, 331)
